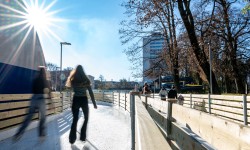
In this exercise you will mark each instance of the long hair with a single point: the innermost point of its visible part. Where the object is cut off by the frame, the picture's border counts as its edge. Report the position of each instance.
(77, 78)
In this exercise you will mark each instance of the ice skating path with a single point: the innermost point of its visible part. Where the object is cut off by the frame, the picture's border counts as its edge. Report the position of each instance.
(108, 129)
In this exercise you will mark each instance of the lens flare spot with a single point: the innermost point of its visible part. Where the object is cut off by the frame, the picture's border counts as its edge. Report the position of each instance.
(37, 18)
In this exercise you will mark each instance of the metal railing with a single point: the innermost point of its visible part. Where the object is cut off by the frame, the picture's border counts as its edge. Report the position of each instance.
(230, 107)
(183, 120)
(118, 98)
(123, 100)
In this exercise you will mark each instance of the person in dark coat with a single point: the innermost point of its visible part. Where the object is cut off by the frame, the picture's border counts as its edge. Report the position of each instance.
(146, 89)
(40, 87)
(172, 93)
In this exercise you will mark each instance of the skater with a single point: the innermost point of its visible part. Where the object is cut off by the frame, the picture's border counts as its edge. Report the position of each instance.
(40, 87)
(163, 93)
(146, 90)
(172, 93)
(80, 84)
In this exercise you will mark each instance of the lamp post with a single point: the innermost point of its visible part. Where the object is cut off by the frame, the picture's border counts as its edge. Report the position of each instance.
(210, 69)
(62, 43)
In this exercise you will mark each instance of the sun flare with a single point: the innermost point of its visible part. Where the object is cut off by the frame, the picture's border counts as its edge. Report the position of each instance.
(31, 14)
(40, 17)
(37, 18)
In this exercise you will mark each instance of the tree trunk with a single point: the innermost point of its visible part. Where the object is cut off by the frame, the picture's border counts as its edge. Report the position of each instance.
(228, 85)
(232, 44)
(175, 50)
(188, 21)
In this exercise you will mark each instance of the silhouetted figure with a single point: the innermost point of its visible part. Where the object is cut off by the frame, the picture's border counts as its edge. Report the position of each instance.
(180, 100)
(172, 93)
(80, 84)
(40, 87)
(146, 89)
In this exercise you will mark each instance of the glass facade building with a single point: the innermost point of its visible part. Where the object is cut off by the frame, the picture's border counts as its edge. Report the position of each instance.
(20, 49)
(152, 47)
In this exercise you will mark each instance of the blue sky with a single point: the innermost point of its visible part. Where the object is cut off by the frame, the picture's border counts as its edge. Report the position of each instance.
(91, 26)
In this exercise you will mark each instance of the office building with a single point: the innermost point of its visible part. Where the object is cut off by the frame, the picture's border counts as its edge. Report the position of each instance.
(152, 47)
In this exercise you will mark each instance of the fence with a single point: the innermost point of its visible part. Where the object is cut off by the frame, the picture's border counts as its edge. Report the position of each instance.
(119, 98)
(235, 108)
(14, 107)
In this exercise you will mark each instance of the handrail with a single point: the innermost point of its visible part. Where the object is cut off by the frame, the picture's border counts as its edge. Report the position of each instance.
(234, 108)
(121, 99)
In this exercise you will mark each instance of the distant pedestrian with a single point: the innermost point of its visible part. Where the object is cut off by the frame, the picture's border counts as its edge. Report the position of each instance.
(163, 93)
(180, 100)
(146, 89)
(40, 87)
(172, 93)
(80, 84)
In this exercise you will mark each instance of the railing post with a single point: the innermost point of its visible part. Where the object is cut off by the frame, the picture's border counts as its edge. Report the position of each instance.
(113, 96)
(103, 96)
(169, 115)
(245, 109)
(52, 102)
(132, 115)
(119, 99)
(125, 102)
(191, 100)
(61, 95)
(209, 103)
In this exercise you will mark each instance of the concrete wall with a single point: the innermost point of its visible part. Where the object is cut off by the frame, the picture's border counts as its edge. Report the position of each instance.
(221, 133)
(210, 130)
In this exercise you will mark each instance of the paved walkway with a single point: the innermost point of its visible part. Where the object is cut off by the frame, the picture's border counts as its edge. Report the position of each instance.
(108, 129)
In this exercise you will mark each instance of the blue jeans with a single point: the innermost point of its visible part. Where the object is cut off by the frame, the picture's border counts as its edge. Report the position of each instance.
(37, 103)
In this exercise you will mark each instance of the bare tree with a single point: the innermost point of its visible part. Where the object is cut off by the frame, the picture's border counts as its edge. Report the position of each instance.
(101, 86)
(51, 66)
(216, 25)
(54, 76)
(246, 9)
(188, 20)
(152, 16)
(233, 28)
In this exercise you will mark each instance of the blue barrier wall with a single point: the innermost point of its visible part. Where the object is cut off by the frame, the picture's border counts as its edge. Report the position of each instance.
(15, 80)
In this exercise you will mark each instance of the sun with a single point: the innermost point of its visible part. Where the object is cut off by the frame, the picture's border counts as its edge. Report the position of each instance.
(35, 15)
(37, 18)
(31, 16)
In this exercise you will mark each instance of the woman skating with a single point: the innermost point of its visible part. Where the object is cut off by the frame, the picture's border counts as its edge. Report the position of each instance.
(80, 84)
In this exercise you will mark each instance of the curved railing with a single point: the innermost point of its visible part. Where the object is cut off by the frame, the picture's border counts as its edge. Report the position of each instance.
(118, 98)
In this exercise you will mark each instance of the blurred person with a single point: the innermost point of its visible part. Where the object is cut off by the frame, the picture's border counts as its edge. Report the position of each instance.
(146, 89)
(180, 100)
(172, 93)
(40, 87)
(163, 93)
(80, 84)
